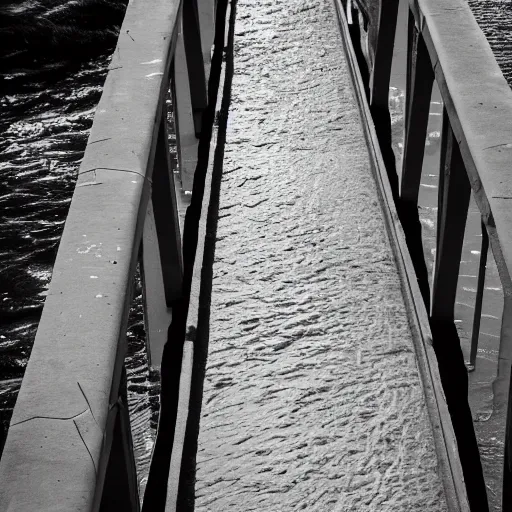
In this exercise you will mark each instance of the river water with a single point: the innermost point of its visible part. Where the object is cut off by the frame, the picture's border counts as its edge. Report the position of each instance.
(53, 60)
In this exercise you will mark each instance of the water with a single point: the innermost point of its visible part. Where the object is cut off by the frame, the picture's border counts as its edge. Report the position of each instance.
(44, 128)
(53, 59)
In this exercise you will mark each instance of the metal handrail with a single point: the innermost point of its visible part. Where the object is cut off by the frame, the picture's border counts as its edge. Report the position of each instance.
(69, 443)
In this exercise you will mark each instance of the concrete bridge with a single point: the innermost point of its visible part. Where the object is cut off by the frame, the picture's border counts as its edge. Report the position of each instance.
(308, 361)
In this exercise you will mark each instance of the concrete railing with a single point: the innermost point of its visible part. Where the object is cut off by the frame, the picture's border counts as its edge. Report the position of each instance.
(69, 444)
(446, 45)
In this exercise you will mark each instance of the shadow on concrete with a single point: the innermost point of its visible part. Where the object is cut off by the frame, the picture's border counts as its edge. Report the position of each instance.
(454, 378)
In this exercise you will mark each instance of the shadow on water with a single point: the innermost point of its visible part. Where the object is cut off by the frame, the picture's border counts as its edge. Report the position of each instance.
(156, 494)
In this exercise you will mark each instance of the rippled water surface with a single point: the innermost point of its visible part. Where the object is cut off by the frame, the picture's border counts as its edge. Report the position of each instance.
(44, 126)
(53, 59)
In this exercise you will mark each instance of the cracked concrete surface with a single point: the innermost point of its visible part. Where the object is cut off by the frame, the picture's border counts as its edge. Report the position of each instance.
(312, 397)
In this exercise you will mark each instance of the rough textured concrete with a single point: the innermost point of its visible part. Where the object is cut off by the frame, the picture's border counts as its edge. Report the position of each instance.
(312, 397)
(62, 427)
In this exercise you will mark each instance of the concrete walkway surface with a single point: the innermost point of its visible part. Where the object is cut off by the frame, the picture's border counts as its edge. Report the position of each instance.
(312, 396)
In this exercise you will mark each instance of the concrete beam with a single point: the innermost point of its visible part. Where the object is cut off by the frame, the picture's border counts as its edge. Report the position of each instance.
(479, 105)
(61, 430)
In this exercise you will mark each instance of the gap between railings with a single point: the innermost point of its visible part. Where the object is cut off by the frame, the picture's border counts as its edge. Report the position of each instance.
(445, 445)
(156, 498)
(199, 312)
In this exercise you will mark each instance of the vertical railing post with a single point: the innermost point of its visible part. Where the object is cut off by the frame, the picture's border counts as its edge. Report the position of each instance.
(186, 140)
(206, 13)
(412, 43)
(384, 35)
(420, 79)
(354, 28)
(165, 207)
(195, 64)
(501, 396)
(162, 265)
(501, 383)
(507, 463)
(475, 334)
(120, 490)
(453, 203)
(385, 42)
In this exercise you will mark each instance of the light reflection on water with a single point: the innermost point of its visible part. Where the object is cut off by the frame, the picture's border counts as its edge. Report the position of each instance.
(47, 112)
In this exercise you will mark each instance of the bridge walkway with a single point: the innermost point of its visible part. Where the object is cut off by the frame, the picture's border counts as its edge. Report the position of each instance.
(314, 395)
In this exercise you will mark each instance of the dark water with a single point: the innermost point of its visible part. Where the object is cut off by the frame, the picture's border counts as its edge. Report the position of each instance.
(44, 126)
(53, 60)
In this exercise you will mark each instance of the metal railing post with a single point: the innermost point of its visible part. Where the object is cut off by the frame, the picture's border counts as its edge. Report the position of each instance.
(506, 497)
(420, 79)
(165, 207)
(162, 262)
(195, 64)
(186, 140)
(477, 316)
(120, 490)
(206, 15)
(453, 203)
(385, 42)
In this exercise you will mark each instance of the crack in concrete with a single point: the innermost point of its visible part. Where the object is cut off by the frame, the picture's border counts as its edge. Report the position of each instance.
(47, 418)
(86, 447)
(88, 404)
(505, 144)
(117, 170)
(99, 140)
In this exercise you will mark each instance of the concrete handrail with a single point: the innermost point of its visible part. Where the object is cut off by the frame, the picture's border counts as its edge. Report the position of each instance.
(70, 427)
(478, 113)
(479, 104)
(446, 45)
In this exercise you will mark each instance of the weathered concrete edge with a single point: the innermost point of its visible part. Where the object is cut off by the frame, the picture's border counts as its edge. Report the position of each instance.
(57, 451)
(181, 426)
(442, 429)
(478, 101)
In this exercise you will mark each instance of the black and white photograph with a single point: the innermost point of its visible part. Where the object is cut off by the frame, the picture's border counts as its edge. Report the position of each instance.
(255, 255)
